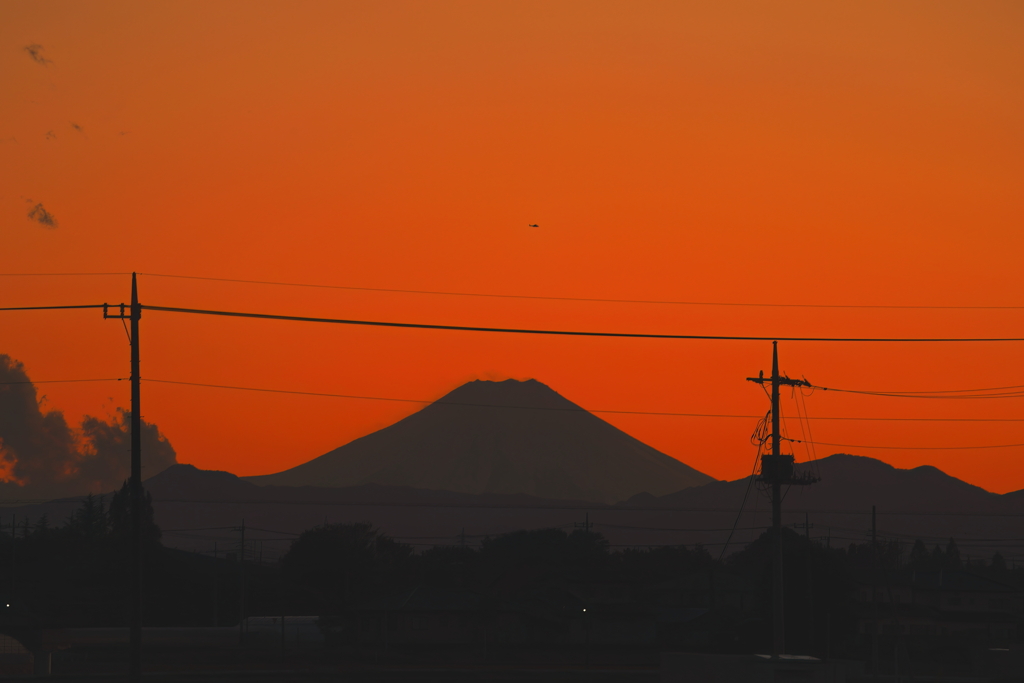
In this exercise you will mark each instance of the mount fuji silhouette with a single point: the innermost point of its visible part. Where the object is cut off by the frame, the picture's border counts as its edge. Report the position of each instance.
(507, 437)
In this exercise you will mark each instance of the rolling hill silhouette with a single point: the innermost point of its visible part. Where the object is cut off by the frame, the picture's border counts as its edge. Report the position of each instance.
(506, 437)
(197, 507)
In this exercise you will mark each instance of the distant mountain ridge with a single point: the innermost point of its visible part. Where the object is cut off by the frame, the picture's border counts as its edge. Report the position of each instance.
(510, 437)
(197, 508)
(854, 482)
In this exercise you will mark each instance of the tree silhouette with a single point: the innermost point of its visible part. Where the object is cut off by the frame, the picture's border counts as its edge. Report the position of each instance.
(120, 517)
(920, 560)
(346, 563)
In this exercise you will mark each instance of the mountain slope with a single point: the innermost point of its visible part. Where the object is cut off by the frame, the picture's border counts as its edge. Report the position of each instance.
(500, 437)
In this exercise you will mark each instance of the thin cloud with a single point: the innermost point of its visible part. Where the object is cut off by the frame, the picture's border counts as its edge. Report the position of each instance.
(36, 53)
(42, 216)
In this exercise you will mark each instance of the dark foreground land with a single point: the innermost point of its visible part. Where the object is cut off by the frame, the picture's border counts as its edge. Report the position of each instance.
(546, 604)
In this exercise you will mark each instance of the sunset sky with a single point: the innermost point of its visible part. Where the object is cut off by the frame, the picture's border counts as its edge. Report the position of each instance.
(862, 153)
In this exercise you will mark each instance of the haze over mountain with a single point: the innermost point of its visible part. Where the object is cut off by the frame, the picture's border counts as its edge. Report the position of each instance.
(507, 437)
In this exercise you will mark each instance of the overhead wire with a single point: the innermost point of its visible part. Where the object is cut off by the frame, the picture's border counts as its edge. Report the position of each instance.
(55, 274)
(570, 333)
(569, 298)
(551, 408)
(757, 438)
(50, 308)
(912, 448)
(938, 394)
(527, 296)
(66, 381)
(801, 401)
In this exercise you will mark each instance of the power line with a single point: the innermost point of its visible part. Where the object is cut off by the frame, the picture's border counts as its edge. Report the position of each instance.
(936, 391)
(66, 381)
(54, 274)
(50, 308)
(907, 448)
(569, 298)
(570, 333)
(584, 410)
(943, 394)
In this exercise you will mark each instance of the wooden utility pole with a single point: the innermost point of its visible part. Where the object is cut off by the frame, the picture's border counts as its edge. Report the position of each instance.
(135, 667)
(134, 314)
(778, 469)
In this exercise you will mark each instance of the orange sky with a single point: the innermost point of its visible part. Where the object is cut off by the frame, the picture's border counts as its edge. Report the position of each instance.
(858, 153)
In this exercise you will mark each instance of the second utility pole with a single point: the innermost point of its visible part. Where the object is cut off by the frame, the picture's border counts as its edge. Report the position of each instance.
(777, 469)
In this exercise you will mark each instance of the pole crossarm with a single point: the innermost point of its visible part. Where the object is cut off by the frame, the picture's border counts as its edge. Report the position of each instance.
(783, 381)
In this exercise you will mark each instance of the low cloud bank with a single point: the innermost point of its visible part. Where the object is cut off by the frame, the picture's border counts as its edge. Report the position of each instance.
(41, 456)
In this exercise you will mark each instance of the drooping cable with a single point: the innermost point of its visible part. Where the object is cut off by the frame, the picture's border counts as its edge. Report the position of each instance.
(758, 437)
(570, 333)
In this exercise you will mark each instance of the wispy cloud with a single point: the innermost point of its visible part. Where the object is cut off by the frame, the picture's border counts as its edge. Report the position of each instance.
(36, 53)
(42, 216)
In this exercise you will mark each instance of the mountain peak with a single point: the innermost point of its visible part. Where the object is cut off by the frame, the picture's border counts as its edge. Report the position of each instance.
(508, 437)
(513, 393)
